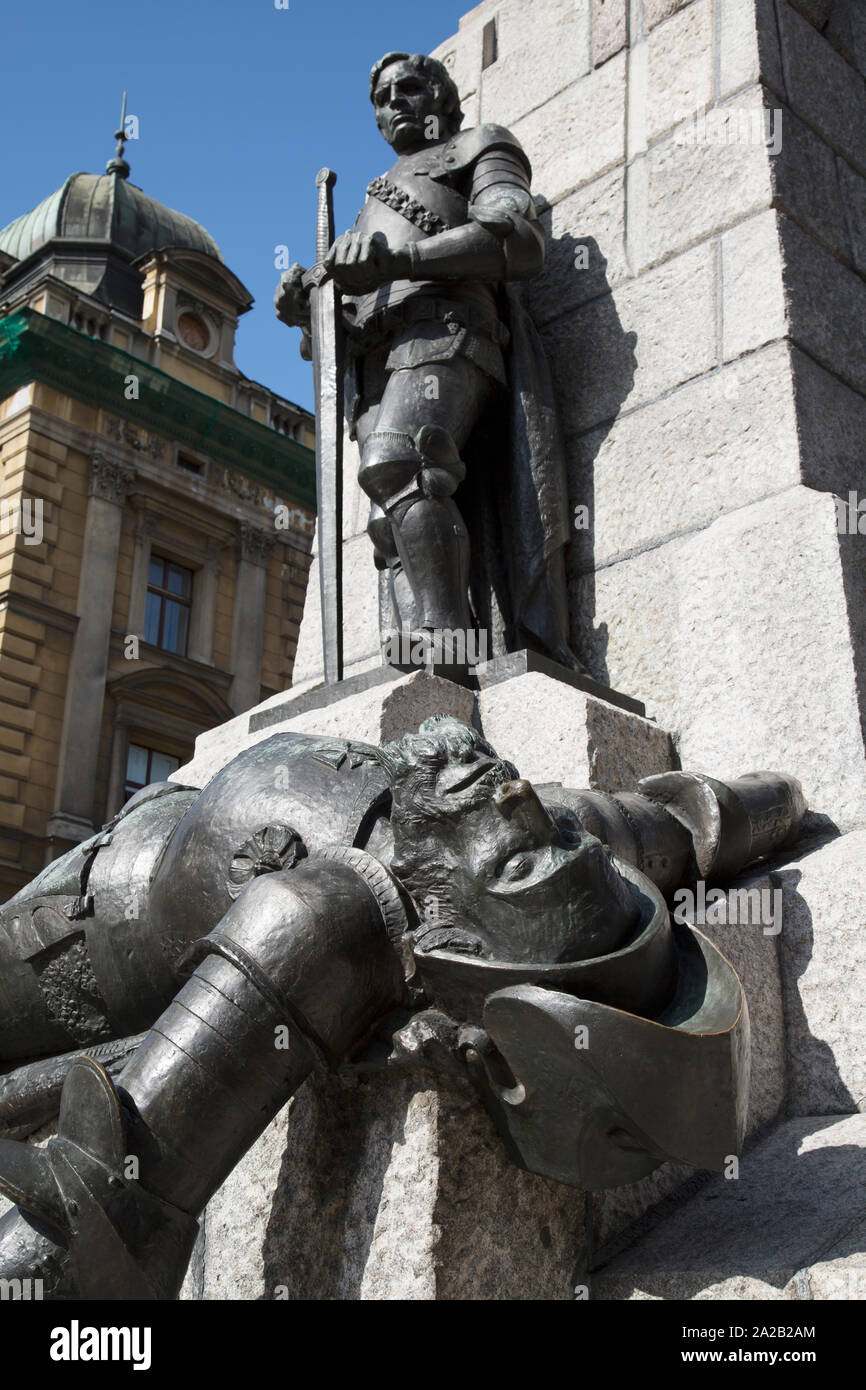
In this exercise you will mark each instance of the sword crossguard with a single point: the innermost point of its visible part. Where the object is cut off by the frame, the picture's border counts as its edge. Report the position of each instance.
(314, 277)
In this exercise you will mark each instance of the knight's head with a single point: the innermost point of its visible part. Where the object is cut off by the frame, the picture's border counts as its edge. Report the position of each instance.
(492, 870)
(415, 101)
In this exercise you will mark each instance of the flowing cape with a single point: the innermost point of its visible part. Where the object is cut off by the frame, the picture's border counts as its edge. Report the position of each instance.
(515, 503)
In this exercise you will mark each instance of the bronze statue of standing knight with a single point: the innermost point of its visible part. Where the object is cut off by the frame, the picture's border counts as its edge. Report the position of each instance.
(447, 389)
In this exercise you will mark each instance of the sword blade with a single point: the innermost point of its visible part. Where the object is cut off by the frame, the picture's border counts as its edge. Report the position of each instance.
(328, 364)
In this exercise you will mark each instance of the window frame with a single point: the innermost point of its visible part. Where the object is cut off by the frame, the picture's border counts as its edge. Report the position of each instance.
(129, 789)
(165, 596)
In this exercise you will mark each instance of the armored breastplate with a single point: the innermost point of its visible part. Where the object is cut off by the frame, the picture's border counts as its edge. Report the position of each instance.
(286, 797)
(413, 200)
(416, 198)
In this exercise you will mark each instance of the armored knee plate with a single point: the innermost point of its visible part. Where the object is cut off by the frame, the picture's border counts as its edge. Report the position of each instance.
(381, 533)
(397, 470)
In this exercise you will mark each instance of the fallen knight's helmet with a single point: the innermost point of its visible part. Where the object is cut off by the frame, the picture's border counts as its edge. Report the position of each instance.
(603, 1038)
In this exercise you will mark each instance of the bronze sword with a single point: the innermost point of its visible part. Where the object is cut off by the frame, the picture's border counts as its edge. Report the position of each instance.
(328, 365)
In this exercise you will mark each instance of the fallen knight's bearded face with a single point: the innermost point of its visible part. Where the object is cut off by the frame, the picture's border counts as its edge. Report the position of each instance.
(492, 871)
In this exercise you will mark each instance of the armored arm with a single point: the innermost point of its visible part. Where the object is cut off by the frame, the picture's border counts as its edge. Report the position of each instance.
(503, 239)
(682, 826)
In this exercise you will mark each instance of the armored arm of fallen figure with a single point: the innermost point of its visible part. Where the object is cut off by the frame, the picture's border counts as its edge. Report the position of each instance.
(603, 1038)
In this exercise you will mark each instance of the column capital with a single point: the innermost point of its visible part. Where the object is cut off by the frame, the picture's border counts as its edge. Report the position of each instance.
(254, 544)
(110, 480)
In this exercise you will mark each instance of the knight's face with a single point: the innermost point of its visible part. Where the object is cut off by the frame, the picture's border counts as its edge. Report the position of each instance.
(404, 101)
(531, 883)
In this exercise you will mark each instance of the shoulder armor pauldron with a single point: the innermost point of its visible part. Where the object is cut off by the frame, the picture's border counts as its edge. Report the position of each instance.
(464, 148)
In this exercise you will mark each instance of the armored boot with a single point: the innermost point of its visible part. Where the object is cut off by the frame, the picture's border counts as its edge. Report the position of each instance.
(433, 545)
(295, 976)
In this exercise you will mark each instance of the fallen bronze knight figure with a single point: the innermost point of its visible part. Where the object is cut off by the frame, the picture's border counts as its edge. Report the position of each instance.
(322, 903)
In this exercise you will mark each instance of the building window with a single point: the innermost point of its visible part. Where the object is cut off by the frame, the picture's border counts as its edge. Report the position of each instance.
(489, 44)
(169, 595)
(189, 465)
(146, 765)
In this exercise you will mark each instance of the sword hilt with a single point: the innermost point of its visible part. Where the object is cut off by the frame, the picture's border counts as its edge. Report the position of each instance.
(325, 180)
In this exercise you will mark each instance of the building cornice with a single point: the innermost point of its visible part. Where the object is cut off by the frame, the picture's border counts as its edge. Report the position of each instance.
(34, 347)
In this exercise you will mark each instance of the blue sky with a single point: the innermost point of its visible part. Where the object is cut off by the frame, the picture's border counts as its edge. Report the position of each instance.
(239, 105)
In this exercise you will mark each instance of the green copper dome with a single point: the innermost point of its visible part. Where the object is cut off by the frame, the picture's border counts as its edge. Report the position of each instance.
(94, 208)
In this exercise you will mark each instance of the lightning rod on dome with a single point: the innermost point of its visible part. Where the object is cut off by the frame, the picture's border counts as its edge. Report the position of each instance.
(118, 165)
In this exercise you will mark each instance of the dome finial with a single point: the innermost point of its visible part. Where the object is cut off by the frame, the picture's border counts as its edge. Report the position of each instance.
(118, 164)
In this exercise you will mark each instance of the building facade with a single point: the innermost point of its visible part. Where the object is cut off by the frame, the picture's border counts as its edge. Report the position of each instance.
(156, 510)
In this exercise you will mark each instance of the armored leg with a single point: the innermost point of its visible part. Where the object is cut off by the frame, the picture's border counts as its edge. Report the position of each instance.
(296, 975)
(411, 482)
(410, 468)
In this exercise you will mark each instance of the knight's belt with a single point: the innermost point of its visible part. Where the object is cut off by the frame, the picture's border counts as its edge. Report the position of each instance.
(383, 325)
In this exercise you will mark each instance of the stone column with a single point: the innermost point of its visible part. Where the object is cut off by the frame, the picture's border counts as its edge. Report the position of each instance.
(88, 667)
(143, 535)
(204, 597)
(254, 547)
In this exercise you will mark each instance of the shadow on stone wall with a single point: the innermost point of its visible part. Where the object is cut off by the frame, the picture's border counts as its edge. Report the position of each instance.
(815, 1085)
(789, 1211)
(593, 363)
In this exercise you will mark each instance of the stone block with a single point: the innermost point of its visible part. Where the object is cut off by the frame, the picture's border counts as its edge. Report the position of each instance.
(548, 42)
(412, 699)
(790, 1226)
(852, 190)
(614, 1211)
(609, 29)
(555, 733)
(417, 1201)
(471, 107)
(715, 444)
(695, 189)
(754, 311)
(749, 28)
(629, 347)
(816, 11)
(739, 640)
(679, 68)
(585, 251)
(823, 88)
(360, 616)
(832, 428)
(461, 54)
(750, 927)
(654, 11)
(826, 305)
(377, 712)
(636, 110)
(858, 37)
(578, 134)
(823, 946)
(807, 184)
(356, 504)
(739, 53)
(840, 32)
